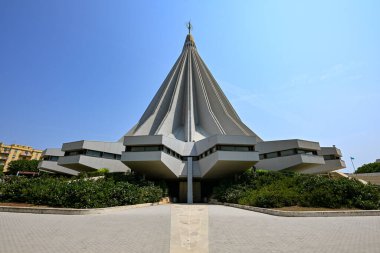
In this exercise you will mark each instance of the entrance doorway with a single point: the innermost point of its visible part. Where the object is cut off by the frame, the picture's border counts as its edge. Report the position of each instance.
(202, 190)
(197, 193)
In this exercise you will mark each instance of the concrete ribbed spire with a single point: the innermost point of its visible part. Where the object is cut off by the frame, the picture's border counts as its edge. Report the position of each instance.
(190, 105)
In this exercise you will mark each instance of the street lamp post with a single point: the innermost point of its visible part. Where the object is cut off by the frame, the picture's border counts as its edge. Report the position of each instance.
(352, 161)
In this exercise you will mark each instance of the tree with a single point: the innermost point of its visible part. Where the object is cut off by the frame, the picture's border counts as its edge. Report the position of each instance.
(22, 165)
(368, 168)
(1, 170)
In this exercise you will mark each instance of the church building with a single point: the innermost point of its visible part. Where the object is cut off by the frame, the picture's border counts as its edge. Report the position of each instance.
(191, 136)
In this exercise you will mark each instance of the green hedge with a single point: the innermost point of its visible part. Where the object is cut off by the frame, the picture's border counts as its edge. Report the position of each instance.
(78, 193)
(275, 189)
(96, 173)
(369, 168)
(22, 165)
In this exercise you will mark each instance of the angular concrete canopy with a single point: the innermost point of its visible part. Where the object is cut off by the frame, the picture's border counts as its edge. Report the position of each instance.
(190, 105)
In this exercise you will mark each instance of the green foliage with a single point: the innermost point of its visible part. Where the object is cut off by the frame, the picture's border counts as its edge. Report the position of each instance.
(369, 168)
(22, 165)
(103, 170)
(96, 173)
(267, 197)
(275, 189)
(79, 193)
(1, 170)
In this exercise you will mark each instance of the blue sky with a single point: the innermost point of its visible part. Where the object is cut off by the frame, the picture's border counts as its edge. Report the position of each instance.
(72, 70)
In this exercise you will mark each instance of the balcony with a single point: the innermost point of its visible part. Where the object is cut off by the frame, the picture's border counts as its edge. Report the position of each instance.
(156, 164)
(52, 166)
(25, 154)
(88, 163)
(298, 163)
(224, 163)
(330, 165)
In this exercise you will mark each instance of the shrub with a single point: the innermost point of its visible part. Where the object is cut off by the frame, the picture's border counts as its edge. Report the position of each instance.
(22, 165)
(275, 189)
(79, 193)
(369, 168)
(268, 198)
(103, 170)
(96, 173)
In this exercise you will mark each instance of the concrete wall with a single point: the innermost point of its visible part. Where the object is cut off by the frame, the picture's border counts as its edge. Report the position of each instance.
(330, 151)
(53, 152)
(330, 165)
(190, 105)
(84, 163)
(109, 147)
(293, 162)
(274, 146)
(52, 166)
(154, 164)
(215, 165)
(373, 178)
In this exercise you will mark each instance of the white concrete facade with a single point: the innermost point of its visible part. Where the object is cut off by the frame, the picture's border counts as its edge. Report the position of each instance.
(49, 162)
(92, 155)
(168, 156)
(299, 156)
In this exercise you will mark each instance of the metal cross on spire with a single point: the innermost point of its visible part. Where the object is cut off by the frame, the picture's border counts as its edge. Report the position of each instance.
(189, 26)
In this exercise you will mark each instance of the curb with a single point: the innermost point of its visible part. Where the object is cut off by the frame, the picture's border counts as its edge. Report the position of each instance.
(304, 213)
(73, 211)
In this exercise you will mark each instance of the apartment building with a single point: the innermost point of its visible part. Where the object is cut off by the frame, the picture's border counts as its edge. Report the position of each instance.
(13, 152)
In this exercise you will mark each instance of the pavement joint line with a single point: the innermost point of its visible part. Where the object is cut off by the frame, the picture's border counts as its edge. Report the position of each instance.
(274, 212)
(189, 228)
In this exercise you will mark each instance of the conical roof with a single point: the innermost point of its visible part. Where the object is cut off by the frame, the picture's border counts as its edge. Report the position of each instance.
(190, 105)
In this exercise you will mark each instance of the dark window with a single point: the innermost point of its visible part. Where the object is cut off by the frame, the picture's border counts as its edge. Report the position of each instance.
(108, 155)
(272, 155)
(137, 149)
(331, 157)
(153, 148)
(235, 148)
(227, 148)
(74, 152)
(288, 152)
(93, 153)
(54, 158)
(241, 148)
(50, 158)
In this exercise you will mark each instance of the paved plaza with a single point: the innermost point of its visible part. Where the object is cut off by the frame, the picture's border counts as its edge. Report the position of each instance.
(186, 228)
